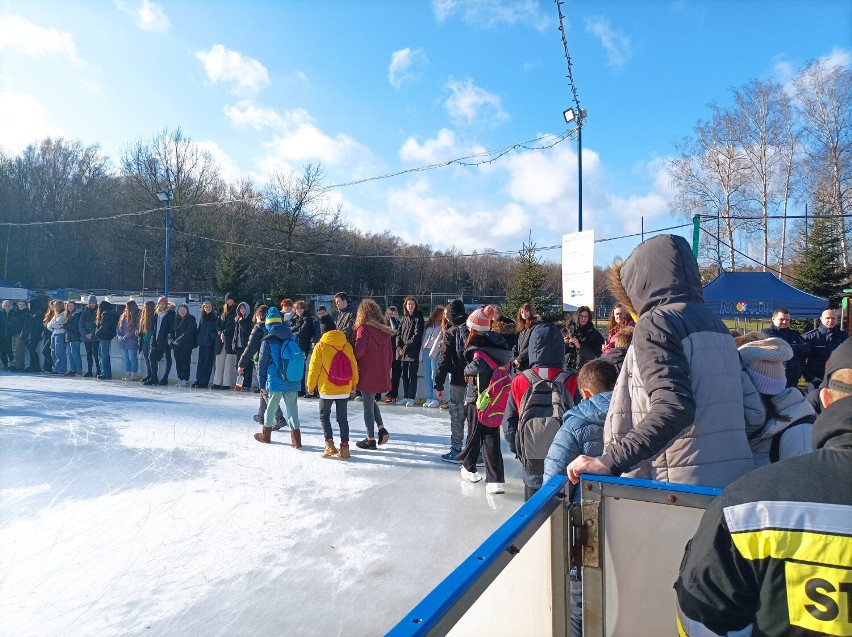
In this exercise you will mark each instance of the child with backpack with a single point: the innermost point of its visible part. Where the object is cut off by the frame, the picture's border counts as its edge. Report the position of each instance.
(581, 432)
(280, 370)
(488, 358)
(451, 364)
(787, 430)
(539, 397)
(334, 371)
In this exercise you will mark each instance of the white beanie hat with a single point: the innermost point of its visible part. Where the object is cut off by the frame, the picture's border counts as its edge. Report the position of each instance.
(764, 363)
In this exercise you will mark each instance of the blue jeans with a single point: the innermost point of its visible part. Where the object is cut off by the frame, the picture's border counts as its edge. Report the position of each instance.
(74, 360)
(429, 368)
(106, 364)
(57, 347)
(131, 360)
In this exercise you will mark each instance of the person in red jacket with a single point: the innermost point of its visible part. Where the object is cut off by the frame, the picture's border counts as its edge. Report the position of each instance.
(374, 354)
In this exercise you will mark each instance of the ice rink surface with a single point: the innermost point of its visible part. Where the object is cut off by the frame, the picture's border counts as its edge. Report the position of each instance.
(130, 510)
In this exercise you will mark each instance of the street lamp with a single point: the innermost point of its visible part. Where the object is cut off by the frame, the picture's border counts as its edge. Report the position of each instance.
(579, 115)
(166, 197)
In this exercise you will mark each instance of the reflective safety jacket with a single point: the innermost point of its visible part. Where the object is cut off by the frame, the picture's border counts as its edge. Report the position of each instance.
(773, 553)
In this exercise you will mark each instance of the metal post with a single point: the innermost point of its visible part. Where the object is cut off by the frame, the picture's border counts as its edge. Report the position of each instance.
(580, 171)
(696, 234)
(168, 244)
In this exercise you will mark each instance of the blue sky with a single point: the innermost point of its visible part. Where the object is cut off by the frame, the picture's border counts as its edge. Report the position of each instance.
(374, 87)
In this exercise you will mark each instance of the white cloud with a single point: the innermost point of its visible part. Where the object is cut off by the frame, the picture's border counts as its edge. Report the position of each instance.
(296, 138)
(228, 168)
(149, 16)
(432, 151)
(401, 64)
(223, 65)
(23, 120)
(839, 57)
(618, 46)
(17, 34)
(487, 14)
(467, 99)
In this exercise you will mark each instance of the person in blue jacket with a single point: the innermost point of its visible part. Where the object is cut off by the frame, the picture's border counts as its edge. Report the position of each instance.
(272, 383)
(582, 425)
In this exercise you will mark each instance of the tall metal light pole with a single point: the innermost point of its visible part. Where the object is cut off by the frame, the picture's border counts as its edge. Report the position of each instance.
(579, 115)
(166, 197)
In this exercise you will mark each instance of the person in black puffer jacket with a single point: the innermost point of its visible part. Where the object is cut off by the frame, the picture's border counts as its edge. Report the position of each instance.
(87, 336)
(182, 339)
(303, 328)
(483, 344)
(408, 342)
(242, 331)
(17, 323)
(226, 360)
(451, 364)
(207, 337)
(164, 318)
(33, 330)
(245, 363)
(583, 342)
(106, 323)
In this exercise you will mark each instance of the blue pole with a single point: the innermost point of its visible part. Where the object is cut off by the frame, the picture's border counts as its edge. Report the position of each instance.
(168, 243)
(580, 171)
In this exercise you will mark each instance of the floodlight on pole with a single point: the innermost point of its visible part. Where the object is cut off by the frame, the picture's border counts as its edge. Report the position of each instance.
(166, 197)
(579, 115)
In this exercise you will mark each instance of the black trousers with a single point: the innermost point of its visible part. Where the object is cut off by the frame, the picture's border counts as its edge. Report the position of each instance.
(409, 378)
(156, 354)
(93, 351)
(183, 356)
(486, 439)
(396, 374)
(205, 365)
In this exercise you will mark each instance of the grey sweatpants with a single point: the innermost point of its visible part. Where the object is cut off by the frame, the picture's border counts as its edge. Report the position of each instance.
(457, 416)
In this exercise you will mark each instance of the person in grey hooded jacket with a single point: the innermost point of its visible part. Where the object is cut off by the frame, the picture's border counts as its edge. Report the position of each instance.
(676, 413)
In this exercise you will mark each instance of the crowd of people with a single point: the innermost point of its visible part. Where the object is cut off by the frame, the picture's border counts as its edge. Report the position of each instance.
(669, 393)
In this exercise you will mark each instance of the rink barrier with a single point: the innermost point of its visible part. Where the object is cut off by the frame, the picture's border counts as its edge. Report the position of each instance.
(627, 539)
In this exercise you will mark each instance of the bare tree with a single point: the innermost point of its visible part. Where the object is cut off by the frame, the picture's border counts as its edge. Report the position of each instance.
(825, 96)
(709, 177)
(760, 125)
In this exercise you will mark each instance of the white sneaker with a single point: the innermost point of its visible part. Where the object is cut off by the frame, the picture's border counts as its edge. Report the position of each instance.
(494, 487)
(470, 476)
(405, 402)
(435, 402)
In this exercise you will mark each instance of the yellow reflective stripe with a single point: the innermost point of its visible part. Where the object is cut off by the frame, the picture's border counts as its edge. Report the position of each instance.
(805, 546)
(680, 631)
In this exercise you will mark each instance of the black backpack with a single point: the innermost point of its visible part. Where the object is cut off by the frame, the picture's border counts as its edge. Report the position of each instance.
(540, 417)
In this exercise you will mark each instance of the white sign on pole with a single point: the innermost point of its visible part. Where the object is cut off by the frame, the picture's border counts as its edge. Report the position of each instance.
(578, 270)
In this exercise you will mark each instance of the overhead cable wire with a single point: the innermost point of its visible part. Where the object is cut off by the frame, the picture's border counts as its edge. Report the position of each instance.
(476, 159)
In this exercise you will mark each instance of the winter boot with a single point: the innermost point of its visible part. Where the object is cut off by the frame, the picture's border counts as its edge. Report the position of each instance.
(279, 424)
(296, 438)
(330, 450)
(266, 436)
(344, 451)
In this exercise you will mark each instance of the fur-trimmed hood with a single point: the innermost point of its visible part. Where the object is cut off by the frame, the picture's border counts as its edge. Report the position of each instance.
(661, 270)
(382, 327)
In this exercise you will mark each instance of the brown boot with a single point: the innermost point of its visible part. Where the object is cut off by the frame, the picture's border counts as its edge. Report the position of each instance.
(296, 438)
(266, 436)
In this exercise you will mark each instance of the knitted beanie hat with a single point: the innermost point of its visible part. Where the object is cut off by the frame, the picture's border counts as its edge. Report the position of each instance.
(478, 321)
(272, 316)
(93, 298)
(764, 361)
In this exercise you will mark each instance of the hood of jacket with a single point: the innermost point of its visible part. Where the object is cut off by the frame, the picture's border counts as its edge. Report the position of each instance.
(279, 331)
(335, 338)
(546, 347)
(660, 271)
(382, 327)
(833, 427)
(492, 344)
(248, 310)
(594, 409)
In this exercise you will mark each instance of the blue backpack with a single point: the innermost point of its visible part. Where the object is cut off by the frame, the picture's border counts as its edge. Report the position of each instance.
(291, 361)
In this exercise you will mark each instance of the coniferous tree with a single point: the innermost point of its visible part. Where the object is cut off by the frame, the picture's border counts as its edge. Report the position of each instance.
(820, 269)
(230, 272)
(529, 287)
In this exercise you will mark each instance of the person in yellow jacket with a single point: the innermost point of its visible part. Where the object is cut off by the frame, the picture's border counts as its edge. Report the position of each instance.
(334, 370)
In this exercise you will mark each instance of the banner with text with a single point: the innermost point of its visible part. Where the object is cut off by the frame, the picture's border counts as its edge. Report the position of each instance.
(578, 270)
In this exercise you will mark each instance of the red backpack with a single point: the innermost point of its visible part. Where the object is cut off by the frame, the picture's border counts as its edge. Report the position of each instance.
(491, 404)
(340, 371)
